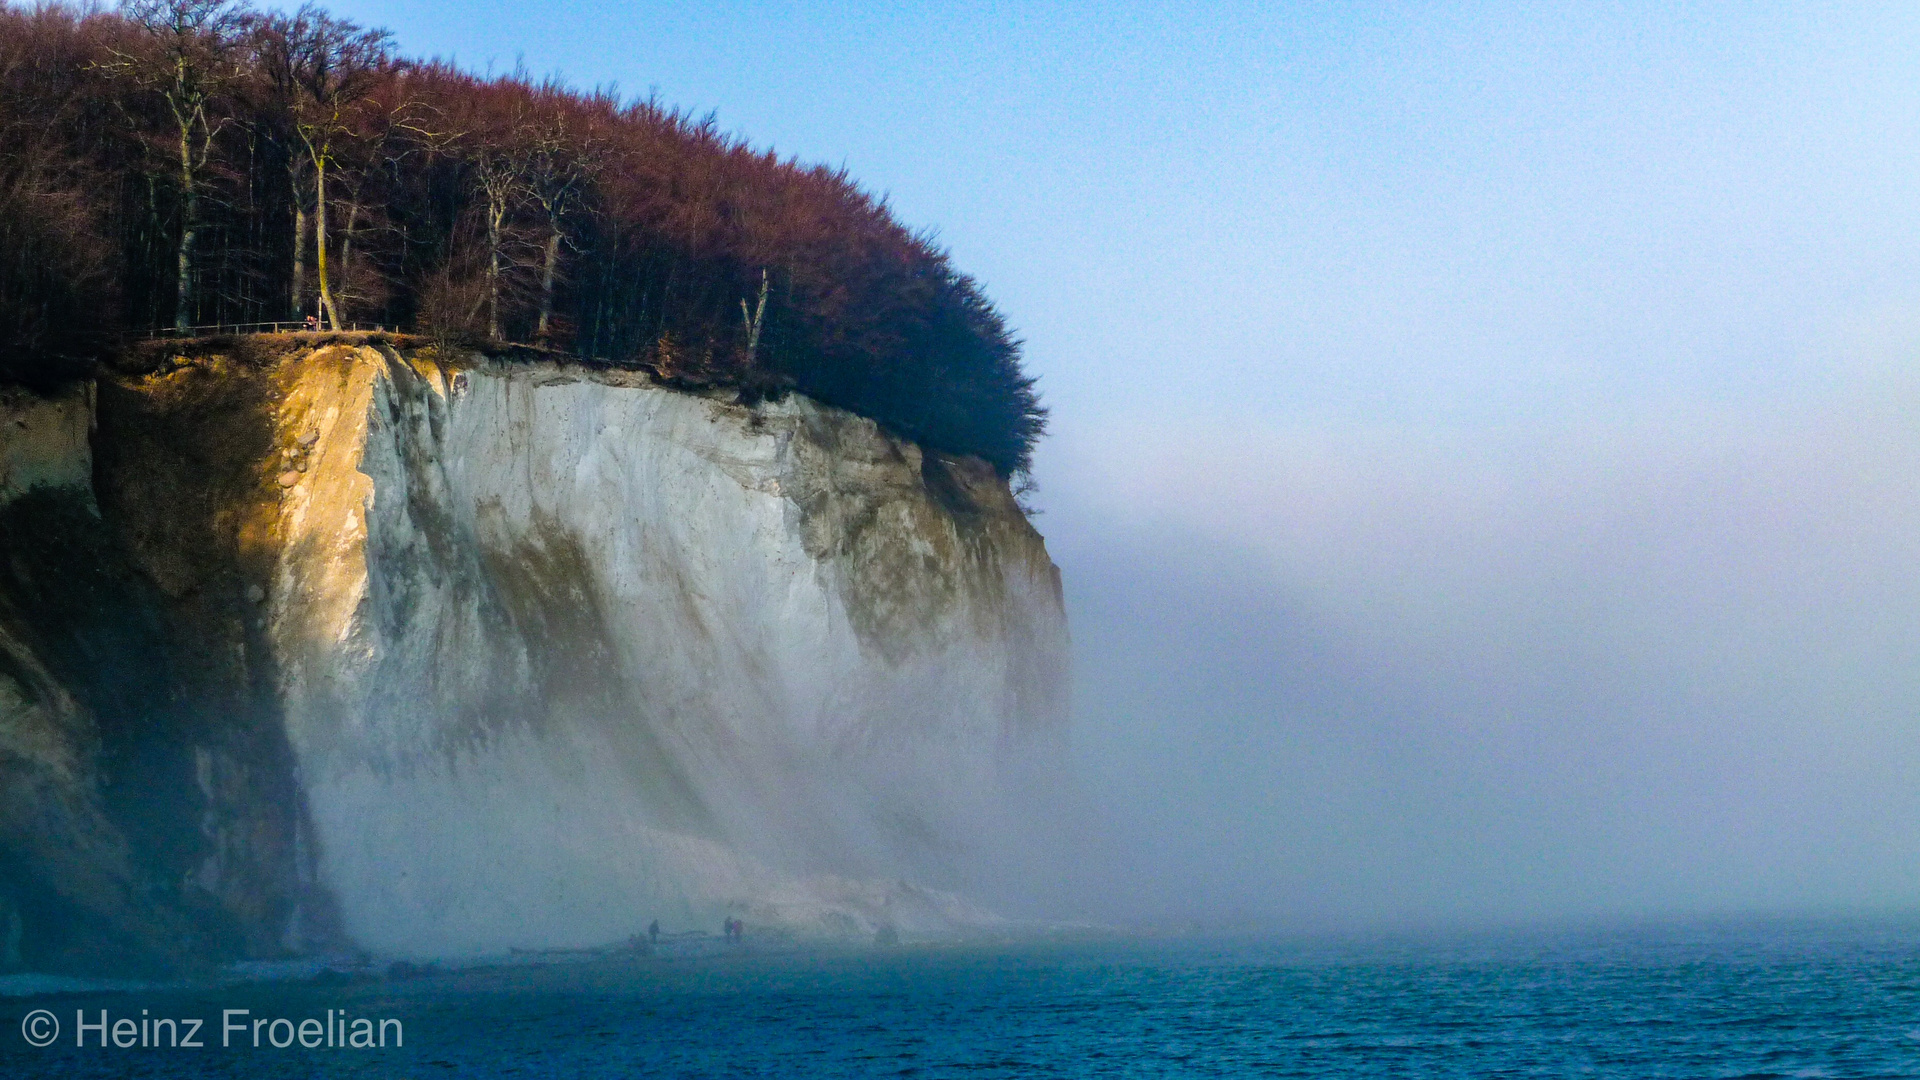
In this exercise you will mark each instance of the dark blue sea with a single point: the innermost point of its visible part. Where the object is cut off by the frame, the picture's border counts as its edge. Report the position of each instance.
(1767, 999)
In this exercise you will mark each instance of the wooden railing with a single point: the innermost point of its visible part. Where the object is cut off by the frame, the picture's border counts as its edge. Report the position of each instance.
(222, 329)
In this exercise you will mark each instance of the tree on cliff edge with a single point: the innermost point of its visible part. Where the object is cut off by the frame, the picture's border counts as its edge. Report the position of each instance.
(332, 68)
(567, 150)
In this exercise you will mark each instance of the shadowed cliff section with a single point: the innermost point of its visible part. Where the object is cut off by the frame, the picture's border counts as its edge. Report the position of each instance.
(150, 817)
(186, 471)
(96, 826)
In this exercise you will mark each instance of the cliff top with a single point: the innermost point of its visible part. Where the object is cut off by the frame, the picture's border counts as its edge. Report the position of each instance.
(328, 176)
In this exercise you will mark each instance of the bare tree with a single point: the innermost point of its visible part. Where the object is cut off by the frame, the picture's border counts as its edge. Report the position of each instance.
(565, 154)
(755, 319)
(330, 68)
(502, 180)
(188, 62)
(497, 143)
(273, 41)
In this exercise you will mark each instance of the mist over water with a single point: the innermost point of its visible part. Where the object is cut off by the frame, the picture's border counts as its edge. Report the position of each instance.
(1614, 667)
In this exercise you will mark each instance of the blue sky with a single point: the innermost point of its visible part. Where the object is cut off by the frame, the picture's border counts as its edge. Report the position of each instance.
(1484, 436)
(1435, 212)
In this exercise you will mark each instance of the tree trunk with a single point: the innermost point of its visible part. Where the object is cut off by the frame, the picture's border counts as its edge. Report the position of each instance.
(494, 213)
(320, 241)
(189, 233)
(296, 292)
(546, 282)
(346, 244)
(755, 319)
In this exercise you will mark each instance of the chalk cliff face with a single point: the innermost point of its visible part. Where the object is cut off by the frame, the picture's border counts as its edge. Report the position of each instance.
(544, 654)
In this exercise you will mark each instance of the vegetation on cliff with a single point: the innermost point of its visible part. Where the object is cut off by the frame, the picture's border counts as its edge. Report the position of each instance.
(181, 163)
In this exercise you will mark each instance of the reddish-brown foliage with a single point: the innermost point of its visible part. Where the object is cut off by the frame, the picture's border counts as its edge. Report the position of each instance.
(630, 234)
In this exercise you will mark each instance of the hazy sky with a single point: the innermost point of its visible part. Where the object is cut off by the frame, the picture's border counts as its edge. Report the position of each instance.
(1486, 454)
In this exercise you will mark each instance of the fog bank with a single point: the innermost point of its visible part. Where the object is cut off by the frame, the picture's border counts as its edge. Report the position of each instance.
(1656, 664)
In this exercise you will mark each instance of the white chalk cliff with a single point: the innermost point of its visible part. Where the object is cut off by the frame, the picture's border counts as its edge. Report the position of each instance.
(560, 652)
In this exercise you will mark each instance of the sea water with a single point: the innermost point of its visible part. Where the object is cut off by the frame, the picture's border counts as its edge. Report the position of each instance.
(1774, 999)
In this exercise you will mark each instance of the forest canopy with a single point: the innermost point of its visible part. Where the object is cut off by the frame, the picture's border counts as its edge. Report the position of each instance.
(184, 163)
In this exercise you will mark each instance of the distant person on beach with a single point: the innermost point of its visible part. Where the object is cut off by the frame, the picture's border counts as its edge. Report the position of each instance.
(653, 932)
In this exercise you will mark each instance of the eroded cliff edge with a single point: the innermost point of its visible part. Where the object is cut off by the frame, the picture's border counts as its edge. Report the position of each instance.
(454, 655)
